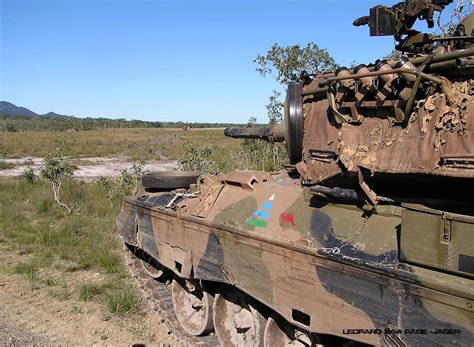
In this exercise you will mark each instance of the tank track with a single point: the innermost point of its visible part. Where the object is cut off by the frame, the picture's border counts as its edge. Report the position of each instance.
(158, 295)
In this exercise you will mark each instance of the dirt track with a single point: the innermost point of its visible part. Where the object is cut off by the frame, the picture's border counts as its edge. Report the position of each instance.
(32, 317)
(87, 168)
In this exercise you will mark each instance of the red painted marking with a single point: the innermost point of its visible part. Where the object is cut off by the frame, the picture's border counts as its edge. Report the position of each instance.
(288, 218)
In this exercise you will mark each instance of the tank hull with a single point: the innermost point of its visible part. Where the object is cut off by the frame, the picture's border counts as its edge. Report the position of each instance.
(326, 268)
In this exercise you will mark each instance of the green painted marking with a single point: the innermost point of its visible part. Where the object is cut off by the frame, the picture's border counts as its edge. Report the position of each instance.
(257, 223)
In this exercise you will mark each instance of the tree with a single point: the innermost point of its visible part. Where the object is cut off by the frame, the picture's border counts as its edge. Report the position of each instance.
(55, 169)
(274, 109)
(285, 63)
(460, 10)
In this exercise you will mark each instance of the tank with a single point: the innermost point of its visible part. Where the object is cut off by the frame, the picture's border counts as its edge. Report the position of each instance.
(365, 238)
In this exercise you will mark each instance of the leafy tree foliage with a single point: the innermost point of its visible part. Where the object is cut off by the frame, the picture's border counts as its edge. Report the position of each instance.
(285, 63)
(274, 109)
(461, 9)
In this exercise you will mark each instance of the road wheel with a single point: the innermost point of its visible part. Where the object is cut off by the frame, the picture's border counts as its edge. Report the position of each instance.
(193, 306)
(236, 320)
(279, 333)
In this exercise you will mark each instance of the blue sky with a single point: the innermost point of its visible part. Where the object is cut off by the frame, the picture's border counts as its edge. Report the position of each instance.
(164, 60)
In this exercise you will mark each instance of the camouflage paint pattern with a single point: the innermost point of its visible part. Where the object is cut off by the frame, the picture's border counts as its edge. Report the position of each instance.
(324, 267)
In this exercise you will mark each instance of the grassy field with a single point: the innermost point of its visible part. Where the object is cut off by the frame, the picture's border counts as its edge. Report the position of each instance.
(76, 257)
(56, 248)
(137, 144)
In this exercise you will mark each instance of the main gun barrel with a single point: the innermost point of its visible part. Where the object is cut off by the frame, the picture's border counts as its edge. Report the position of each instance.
(272, 134)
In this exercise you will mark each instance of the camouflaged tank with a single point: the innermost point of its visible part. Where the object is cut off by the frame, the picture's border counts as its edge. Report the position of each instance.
(365, 238)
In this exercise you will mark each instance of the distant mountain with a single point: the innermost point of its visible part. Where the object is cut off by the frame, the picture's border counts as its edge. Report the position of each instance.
(8, 109)
(53, 115)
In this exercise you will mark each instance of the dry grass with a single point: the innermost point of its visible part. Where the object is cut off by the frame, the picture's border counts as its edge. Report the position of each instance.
(137, 144)
(56, 243)
(59, 243)
(6, 166)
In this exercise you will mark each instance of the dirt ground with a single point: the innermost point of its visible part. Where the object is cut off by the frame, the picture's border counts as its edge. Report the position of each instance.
(87, 168)
(34, 317)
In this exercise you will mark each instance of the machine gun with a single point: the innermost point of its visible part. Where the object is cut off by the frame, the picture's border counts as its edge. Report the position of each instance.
(399, 19)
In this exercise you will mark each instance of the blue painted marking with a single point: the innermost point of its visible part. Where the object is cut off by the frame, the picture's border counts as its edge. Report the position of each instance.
(263, 214)
(267, 205)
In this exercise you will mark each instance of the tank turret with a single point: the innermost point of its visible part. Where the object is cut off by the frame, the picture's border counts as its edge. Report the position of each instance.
(405, 120)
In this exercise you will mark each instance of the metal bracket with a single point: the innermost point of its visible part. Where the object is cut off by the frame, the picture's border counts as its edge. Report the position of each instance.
(371, 195)
(446, 228)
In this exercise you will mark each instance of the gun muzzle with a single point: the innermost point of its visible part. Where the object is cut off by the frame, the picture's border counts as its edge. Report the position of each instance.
(271, 134)
(361, 21)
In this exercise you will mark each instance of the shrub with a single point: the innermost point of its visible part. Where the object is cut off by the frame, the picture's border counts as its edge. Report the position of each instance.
(199, 159)
(196, 159)
(55, 169)
(261, 155)
(127, 183)
(29, 174)
(11, 128)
